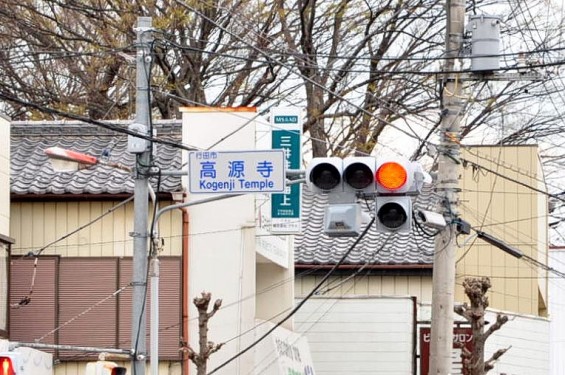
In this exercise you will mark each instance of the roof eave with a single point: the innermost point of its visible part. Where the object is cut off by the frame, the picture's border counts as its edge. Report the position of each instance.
(79, 197)
(365, 266)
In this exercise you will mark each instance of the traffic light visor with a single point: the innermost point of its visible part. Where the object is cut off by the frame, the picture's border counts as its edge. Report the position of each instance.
(359, 175)
(392, 175)
(325, 176)
(6, 366)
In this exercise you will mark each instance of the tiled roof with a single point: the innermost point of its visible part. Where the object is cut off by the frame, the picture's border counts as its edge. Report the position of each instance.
(313, 247)
(32, 173)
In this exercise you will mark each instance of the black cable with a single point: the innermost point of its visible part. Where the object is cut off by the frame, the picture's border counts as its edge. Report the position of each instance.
(88, 120)
(300, 304)
(513, 180)
(360, 269)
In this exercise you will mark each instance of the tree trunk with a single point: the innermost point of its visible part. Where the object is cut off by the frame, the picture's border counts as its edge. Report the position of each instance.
(474, 362)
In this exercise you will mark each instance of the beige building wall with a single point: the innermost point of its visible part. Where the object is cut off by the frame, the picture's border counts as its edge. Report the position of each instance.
(509, 210)
(222, 251)
(36, 224)
(4, 176)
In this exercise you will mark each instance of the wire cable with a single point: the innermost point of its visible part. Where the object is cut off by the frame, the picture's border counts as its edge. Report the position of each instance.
(26, 300)
(84, 312)
(88, 120)
(300, 304)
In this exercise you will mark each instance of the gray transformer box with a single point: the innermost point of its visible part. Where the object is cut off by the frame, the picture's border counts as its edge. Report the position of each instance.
(485, 42)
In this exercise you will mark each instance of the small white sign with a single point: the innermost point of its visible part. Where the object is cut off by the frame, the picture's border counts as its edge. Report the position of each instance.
(284, 352)
(235, 172)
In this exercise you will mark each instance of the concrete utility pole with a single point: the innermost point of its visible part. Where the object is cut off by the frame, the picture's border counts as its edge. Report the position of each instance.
(447, 186)
(141, 202)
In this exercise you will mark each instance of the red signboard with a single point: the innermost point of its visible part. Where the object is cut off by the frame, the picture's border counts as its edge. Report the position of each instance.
(462, 337)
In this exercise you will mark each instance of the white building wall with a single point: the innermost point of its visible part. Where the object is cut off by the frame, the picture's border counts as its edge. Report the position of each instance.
(222, 241)
(359, 335)
(4, 216)
(362, 335)
(275, 253)
(4, 176)
(557, 313)
(528, 339)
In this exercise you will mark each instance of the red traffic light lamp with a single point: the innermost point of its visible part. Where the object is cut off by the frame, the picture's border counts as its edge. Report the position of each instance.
(391, 176)
(7, 366)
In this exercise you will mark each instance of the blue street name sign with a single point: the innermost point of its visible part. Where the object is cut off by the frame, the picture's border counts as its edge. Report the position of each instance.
(236, 171)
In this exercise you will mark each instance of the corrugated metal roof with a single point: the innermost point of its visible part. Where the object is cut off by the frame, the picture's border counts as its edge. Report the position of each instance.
(313, 247)
(32, 173)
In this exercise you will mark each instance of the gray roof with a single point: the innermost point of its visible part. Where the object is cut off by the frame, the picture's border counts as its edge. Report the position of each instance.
(32, 173)
(313, 247)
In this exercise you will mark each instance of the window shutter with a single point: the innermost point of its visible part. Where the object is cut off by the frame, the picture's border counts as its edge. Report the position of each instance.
(88, 309)
(38, 318)
(169, 307)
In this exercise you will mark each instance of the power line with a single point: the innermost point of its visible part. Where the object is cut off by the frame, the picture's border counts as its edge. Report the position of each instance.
(302, 56)
(84, 312)
(88, 120)
(513, 180)
(272, 126)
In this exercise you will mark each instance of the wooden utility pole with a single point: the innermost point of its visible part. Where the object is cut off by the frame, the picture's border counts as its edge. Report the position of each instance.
(441, 344)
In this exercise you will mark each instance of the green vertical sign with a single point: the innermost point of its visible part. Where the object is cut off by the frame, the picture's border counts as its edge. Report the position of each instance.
(286, 135)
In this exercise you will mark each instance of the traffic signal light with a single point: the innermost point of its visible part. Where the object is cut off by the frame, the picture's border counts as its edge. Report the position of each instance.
(395, 180)
(342, 180)
(359, 174)
(335, 175)
(323, 175)
(7, 366)
(391, 183)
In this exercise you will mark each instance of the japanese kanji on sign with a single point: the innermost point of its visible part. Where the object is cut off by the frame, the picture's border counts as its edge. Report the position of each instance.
(286, 135)
(237, 171)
